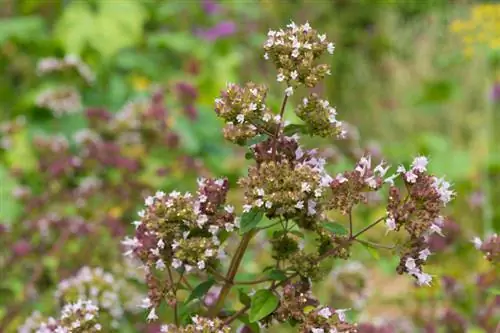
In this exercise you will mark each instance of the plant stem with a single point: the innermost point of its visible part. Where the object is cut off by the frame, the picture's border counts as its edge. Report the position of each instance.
(375, 244)
(278, 130)
(350, 223)
(171, 281)
(368, 227)
(231, 273)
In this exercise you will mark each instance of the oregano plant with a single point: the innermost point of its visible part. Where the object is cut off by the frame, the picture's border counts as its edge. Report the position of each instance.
(288, 190)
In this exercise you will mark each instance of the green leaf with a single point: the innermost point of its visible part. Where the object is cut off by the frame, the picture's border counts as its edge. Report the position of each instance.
(264, 302)
(335, 228)
(494, 290)
(258, 139)
(25, 28)
(200, 290)
(277, 274)
(244, 298)
(9, 207)
(114, 26)
(295, 128)
(250, 220)
(372, 251)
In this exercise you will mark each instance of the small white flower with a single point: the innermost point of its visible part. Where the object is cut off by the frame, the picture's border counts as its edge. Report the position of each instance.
(175, 244)
(307, 46)
(380, 169)
(202, 219)
(280, 77)
(159, 195)
(311, 207)
(240, 118)
(268, 204)
(289, 91)
(305, 101)
(188, 268)
(209, 253)
(155, 251)
(294, 75)
(136, 224)
(229, 209)
(266, 56)
(176, 263)
(175, 194)
(160, 243)
(213, 229)
(260, 192)
(152, 315)
(424, 254)
(420, 163)
(141, 213)
(341, 314)
(277, 119)
(146, 303)
(305, 187)
(390, 223)
(477, 242)
(295, 53)
(266, 117)
(201, 265)
(331, 48)
(164, 329)
(434, 228)
(306, 27)
(254, 92)
(247, 208)
(229, 227)
(318, 192)
(322, 38)
(317, 330)
(252, 107)
(325, 313)
(300, 205)
(258, 203)
(423, 278)
(410, 264)
(410, 177)
(160, 265)
(340, 178)
(149, 201)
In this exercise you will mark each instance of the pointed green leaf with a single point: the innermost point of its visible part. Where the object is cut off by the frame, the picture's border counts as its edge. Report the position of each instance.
(244, 298)
(277, 274)
(335, 228)
(250, 220)
(200, 290)
(264, 302)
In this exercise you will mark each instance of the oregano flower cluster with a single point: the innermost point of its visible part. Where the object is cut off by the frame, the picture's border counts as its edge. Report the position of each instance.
(181, 235)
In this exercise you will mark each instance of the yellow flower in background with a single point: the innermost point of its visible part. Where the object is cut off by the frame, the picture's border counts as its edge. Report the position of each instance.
(481, 29)
(140, 83)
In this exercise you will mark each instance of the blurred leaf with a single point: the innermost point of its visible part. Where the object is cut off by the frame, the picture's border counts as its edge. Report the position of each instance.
(296, 128)
(178, 42)
(114, 26)
(24, 28)
(20, 154)
(9, 207)
(250, 220)
(264, 302)
(258, 139)
(373, 251)
(436, 92)
(200, 290)
(277, 274)
(335, 228)
(494, 291)
(244, 298)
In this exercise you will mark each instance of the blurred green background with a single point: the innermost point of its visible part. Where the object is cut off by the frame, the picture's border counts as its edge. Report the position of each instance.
(412, 77)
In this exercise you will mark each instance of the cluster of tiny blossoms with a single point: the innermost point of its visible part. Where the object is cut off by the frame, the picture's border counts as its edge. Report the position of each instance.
(298, 304)
(60, 100)
(418, 212)
(78, 317)
(113, 296)
(294, 52)
(320, 117)
(55, 65)
(245, 112)
(182, 231)
(286, 181)
(199, 324)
